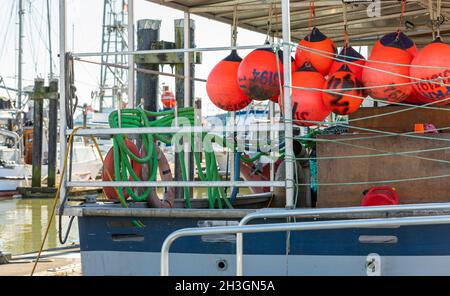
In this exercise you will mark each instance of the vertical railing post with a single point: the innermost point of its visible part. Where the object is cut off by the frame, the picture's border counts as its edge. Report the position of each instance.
(131, 99)
(289, 158)
(62, 91)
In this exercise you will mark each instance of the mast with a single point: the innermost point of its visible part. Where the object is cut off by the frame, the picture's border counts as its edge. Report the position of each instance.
(49, 39)
(19, 68)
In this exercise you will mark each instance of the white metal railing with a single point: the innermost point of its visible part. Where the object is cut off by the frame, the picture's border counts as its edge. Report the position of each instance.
(175, 183)
(298, 213)
(286, 126)
(298, 226)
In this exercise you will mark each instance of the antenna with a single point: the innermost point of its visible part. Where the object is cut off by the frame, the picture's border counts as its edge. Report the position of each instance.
(113, 80)
(21, 12)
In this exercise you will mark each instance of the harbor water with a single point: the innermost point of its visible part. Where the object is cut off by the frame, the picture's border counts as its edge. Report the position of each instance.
(23, 223)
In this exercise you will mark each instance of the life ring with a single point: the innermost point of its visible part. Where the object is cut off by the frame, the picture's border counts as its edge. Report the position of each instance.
(108, 171)
(165, 173)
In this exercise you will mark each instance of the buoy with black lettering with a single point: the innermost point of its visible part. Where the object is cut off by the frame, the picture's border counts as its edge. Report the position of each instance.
(349, 54)
(307, 105)
(222, 86)
(437, 86)
(399, 37)
(387, 74)
(258, 74)
(345, 94)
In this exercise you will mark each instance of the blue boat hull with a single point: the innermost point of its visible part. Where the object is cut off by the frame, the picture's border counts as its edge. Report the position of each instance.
(112, 246)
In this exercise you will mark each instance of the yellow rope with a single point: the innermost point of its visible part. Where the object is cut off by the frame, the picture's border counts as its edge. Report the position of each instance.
(55, 201)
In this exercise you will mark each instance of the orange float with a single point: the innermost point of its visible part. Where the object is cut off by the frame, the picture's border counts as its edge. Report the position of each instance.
(222, 87)
(323, 59)
(307, 105)
(257, 74)
(379, 74)
(108, 170)
(349, 54)
(435, 54)
(398, 38)
(414, 98)
(343, 102)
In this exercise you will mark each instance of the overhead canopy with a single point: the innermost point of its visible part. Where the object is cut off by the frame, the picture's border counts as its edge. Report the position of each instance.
(363, 29)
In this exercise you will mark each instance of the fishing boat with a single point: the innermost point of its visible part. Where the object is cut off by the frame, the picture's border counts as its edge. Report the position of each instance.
(374, 196)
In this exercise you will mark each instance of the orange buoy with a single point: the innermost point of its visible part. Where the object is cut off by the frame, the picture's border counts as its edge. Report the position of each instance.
(321, 60)
(168, 98)
(275, 99)
(307, 105)
(222, 87)
(414, 98)
(398, 38)
(343, 101)
(376, 74)
(349, 54)
(258, 76)
(108, 170)
(435, 54)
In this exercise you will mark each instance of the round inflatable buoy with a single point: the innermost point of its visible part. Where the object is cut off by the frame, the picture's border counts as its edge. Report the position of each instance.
(414, 98)
(398, 38)
(222, 87)
(321, 60)
(343, 102)
(108, 170)
(349, 54)
(435, 54)
(372, 78)
(258, 76)
(307, 105)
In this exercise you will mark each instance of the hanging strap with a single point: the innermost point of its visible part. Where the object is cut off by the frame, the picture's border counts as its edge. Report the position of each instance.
(234, 31)
(402, 19)
(312, 15)
(438, 18)
(346, 38)
(269, 22)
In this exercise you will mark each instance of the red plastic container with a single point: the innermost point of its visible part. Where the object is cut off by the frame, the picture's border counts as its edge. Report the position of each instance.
(380, 196)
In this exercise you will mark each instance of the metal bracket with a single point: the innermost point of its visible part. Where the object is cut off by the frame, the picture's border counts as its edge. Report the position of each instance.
(373, 265)
(170, 58)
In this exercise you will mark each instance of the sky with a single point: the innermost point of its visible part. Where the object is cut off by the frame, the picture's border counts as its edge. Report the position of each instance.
(85, 21)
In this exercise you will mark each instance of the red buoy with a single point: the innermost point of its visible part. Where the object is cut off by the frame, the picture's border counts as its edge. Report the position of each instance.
(222, 86)
(307, 105)
(399, 38)
(108, 170)
(257, 74)
(343, 102)
(435, 54)
(378, 74)
(414, 98)
(168, 98)
(349, 54)
(325, 47)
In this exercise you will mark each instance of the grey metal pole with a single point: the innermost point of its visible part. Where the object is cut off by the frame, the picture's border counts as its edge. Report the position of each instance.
(62, 91)
(183, 95)
(20, 56)
(50, 51)
(38, 98)
(188, 99)
(52, 132)
(131, 80)
(279, 227)
(289, 154)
